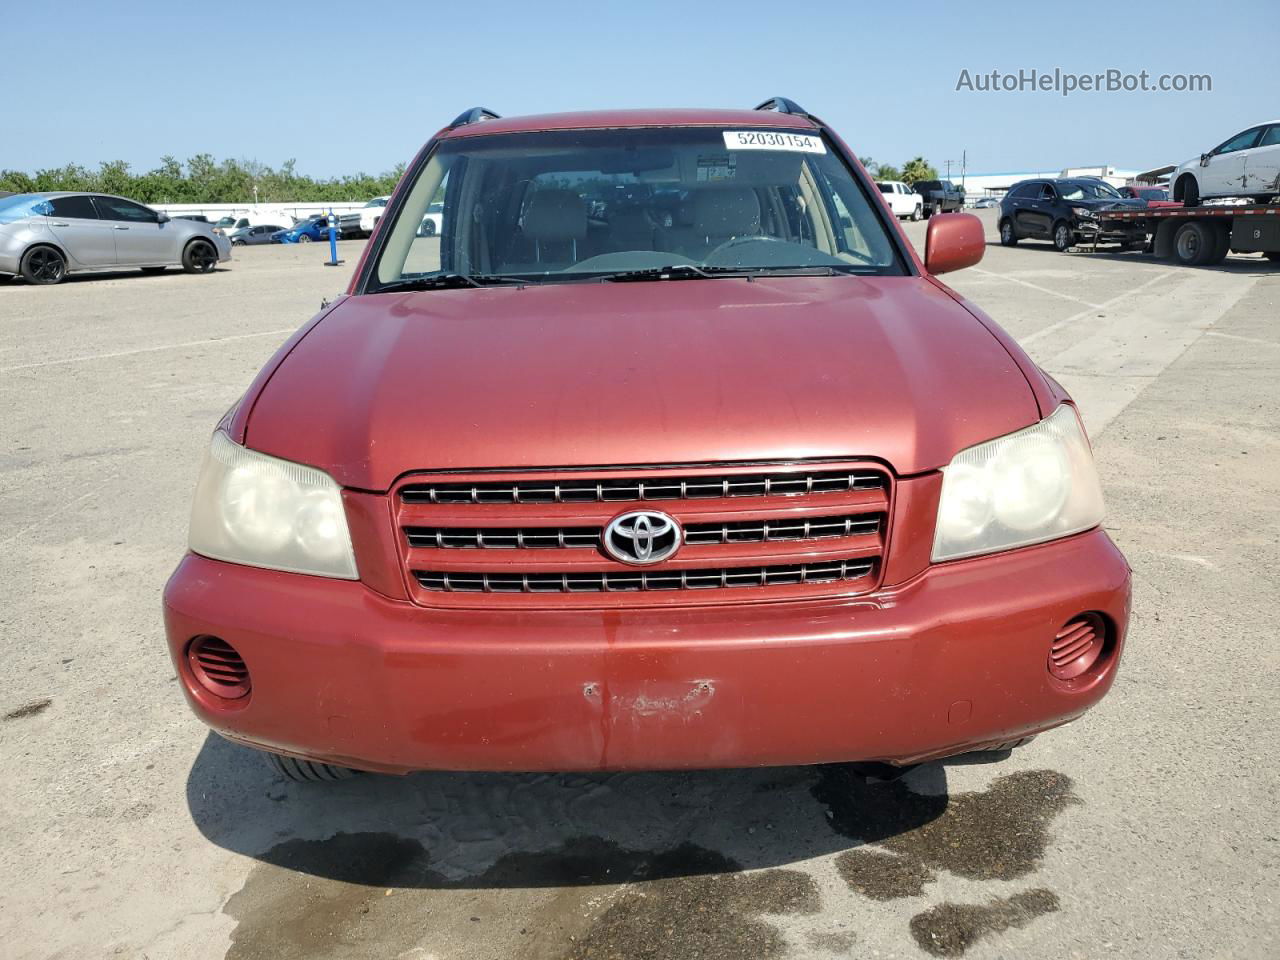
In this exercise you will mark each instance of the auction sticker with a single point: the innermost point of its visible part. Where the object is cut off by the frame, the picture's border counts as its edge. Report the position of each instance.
(773, 140)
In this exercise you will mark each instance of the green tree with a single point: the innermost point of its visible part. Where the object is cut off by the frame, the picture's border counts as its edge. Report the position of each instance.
(204, 180)
(918, 169)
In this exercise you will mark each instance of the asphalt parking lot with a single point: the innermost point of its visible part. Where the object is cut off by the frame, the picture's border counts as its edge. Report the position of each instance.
(1150, 828)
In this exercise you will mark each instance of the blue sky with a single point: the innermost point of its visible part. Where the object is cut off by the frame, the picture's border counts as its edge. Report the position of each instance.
(136, 80)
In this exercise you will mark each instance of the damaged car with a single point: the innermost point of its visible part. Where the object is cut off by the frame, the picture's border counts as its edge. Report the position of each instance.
(668, 452)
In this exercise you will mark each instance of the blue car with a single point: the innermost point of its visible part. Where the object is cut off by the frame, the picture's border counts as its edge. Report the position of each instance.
(312, 228)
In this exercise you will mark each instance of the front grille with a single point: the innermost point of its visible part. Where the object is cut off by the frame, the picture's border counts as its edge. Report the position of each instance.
(659, 488)
(748, 532)
(544, 538)
(609, 582)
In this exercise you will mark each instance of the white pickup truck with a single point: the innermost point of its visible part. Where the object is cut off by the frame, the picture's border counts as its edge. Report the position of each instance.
(360, 223)
(902, 200)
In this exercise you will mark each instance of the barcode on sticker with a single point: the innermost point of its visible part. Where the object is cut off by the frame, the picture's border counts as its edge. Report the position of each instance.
(773, 140)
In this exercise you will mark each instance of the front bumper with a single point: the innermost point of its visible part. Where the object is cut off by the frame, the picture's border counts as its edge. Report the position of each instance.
(951, 661)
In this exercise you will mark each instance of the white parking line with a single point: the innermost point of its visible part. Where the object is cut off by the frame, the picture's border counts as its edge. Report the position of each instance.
(1036, 286)
(1236, 336)
(130, 353)
(1054, 327)
(61, 510)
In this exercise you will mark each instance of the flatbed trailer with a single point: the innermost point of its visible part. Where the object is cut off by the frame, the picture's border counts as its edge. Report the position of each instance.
(1197, 236)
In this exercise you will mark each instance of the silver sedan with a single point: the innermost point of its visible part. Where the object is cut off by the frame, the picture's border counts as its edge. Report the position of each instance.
(46, 236)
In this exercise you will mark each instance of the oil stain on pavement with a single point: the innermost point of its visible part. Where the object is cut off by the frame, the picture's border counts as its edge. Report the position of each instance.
(687, 901)
(997, 834)
(375, 894)
(30, 709)
(949, 929)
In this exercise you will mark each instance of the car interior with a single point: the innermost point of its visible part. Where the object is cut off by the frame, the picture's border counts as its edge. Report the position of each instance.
(535, 212)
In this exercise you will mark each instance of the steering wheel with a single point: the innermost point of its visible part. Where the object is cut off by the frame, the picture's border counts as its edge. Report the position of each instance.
(739, 241)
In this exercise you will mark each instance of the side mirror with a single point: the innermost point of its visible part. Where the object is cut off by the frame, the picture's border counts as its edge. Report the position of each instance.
(162, 217)
(953, 243)
(1204, 159)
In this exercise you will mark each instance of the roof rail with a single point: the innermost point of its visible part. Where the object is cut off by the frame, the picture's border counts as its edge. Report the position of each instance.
(474, 115)
(783, 105)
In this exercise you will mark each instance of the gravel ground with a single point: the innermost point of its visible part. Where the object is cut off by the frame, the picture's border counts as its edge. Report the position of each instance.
(1146, 829)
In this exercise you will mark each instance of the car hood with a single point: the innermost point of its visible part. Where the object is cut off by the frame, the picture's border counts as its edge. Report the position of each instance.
(676, 372)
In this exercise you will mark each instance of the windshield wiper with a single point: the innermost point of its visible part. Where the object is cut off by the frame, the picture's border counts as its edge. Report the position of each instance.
(448, 281)
(691, 271)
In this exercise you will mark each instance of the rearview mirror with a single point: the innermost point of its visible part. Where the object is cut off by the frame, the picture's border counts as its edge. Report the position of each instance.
(953, 242)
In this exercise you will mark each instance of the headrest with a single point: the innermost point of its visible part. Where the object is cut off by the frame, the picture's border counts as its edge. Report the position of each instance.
(554, 214)
(726, 212)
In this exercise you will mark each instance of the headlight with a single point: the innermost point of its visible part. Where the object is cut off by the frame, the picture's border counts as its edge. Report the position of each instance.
(1034, 485)
(1084, 213)
(257, 510)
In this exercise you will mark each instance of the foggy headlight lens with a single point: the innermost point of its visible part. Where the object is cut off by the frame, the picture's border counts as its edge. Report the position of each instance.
(1034, 485)
(257, 510)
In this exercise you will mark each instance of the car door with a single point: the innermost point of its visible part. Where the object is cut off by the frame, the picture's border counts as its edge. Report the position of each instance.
(907, 199)
(1036, 211)
(87, 240)
(140, 236)
(1262, 163)
(1221, 173)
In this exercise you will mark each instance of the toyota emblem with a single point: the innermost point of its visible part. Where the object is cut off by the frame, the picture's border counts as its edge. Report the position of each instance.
(642, 537)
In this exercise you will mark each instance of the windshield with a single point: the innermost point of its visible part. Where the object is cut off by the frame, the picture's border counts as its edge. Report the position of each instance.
(1152, 194)
(1087, 190)
(377, 202)
(574, 204)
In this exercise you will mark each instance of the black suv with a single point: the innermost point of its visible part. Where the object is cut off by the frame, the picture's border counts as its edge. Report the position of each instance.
(1062, 211)
(940, 196)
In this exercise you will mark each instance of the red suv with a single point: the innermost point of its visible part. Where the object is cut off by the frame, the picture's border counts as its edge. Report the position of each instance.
(667, 451)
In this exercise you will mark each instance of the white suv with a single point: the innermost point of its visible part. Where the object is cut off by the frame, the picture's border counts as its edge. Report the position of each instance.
(361, 222)
(902, 200)
(1247, 165)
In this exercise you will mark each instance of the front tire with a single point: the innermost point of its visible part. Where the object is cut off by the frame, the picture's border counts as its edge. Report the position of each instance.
(1062, 239)
(307, 771)
(1007, 237)
(916, 213)
(304, 238)
(1190, 192)
(43, 265)
(199, 257)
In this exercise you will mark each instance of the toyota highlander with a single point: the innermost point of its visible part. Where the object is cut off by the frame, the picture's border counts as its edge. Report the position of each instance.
(668, 451)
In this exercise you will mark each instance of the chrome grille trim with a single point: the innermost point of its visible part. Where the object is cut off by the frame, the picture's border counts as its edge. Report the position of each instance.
(833, 571)
(739, 531)
(652, 488)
